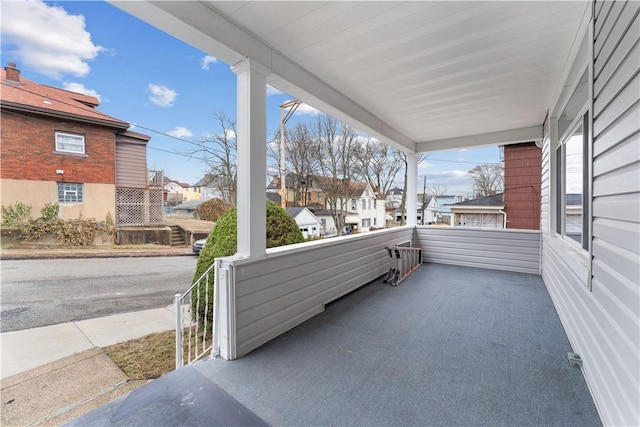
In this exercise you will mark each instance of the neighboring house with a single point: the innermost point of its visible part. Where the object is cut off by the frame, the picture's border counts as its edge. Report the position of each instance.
(191, 193)
(363, 208)
(213, 186)
(522, 176)
(393, 198)
(427, 212)
(443, 208)
(299, 191)
(484, 212)
(188, 209)
(57, 148)
(327, 223)
(174, 191)
(308, 223)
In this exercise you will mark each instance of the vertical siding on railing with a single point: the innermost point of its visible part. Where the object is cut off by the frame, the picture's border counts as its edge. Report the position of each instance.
(604, 325)
(275, 294)
(511, 250)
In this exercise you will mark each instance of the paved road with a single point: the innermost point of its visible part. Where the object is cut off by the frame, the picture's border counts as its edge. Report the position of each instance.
(50, 291)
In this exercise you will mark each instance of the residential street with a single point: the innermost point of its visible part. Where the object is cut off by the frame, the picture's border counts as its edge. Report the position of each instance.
(51, 291)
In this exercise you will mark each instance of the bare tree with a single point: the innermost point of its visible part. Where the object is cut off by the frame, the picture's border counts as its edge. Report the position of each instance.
(488, 179)
(437, 190)
(218, 151)
(378, 164)
(335, 151)
(301, 153)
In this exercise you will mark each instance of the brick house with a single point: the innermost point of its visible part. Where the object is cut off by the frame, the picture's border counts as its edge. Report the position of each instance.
(57, 148)
(522, 176)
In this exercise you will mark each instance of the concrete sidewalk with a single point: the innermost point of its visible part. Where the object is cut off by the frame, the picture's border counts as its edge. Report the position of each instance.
(53, 374)
(29, 348)
(13, 253)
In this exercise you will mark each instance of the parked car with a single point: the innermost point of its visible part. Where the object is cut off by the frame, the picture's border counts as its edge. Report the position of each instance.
(198, 245)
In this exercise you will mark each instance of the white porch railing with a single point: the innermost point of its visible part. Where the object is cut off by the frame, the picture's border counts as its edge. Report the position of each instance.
(194, 320)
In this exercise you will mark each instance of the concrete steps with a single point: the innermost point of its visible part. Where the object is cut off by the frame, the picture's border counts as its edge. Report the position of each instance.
(177, 238)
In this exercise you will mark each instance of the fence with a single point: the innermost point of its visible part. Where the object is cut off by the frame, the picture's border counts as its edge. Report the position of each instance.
(194, 320)
(139, 206)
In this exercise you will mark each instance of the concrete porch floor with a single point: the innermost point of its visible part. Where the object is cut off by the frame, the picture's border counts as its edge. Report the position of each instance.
(448, 346)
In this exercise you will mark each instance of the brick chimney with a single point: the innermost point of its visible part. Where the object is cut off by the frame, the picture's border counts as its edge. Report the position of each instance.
(13, 74)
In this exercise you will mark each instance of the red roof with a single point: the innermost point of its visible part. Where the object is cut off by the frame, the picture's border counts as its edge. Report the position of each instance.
(28, 96)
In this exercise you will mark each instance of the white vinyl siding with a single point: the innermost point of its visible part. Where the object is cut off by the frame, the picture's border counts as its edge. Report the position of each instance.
(275, 294)
(603, 321)
(510, 250)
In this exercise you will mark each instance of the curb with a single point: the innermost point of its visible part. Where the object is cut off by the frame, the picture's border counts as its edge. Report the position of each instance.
(27, 256)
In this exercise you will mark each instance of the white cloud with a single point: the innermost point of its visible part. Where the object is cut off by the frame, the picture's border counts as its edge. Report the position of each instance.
(463, 150)
(161, 95)
(47, 39)
(208, 60)
(80, 88)
(306, 110)
(180, 132)
(273, 91)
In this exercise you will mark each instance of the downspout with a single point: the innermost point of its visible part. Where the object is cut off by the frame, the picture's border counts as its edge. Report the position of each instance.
(504, 219)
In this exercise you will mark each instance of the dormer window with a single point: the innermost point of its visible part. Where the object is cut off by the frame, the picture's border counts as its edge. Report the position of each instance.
(69, 143)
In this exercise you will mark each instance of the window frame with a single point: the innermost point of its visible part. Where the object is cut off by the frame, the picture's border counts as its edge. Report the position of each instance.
(62, 191)
(582, 119)
(59, 149)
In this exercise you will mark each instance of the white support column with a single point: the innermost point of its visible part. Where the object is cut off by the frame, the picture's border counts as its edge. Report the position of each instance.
(412, 190)
(252, 157)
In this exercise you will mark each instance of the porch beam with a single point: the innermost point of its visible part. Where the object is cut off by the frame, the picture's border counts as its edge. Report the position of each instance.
(511, 136)
(252, 157)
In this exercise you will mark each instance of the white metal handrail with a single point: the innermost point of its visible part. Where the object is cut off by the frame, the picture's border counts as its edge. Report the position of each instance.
(194, 321)
(405, 260)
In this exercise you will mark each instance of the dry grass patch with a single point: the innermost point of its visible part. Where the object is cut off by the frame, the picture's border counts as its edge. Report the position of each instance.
(145, 358)
(153, 355)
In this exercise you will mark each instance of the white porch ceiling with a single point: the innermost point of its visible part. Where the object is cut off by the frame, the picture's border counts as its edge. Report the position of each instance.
(419, 75)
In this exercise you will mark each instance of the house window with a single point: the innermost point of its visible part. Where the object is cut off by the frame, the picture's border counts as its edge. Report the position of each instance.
(375, 221)
(69, 143)
(366, 222)
(375, 204)
(572, 207)
(353, 204)
(364, 204)
(69, 192)
(323, 222)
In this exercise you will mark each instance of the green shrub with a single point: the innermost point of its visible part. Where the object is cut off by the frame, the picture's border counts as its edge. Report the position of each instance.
(49, 212)
(222, 241)
(16, 215)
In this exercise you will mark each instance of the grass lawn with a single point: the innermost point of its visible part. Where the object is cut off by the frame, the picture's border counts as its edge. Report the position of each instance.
(151, 356)
(145, 358)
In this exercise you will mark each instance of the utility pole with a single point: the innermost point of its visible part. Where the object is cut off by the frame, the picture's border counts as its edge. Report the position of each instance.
(284, 117)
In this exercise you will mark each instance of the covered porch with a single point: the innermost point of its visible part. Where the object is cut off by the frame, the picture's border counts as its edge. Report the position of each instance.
(424, 77)
(449, 346)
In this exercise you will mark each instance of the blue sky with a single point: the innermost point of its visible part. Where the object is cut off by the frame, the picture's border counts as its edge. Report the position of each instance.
(144, 76)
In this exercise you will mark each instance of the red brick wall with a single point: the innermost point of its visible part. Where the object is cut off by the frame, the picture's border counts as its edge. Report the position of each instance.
(522, 174)
(27, 146)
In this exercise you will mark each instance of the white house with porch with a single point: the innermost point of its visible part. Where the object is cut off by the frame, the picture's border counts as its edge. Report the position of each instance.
(454, 75)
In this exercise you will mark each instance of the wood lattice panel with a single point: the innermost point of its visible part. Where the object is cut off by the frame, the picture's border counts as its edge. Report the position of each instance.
(137, 206)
